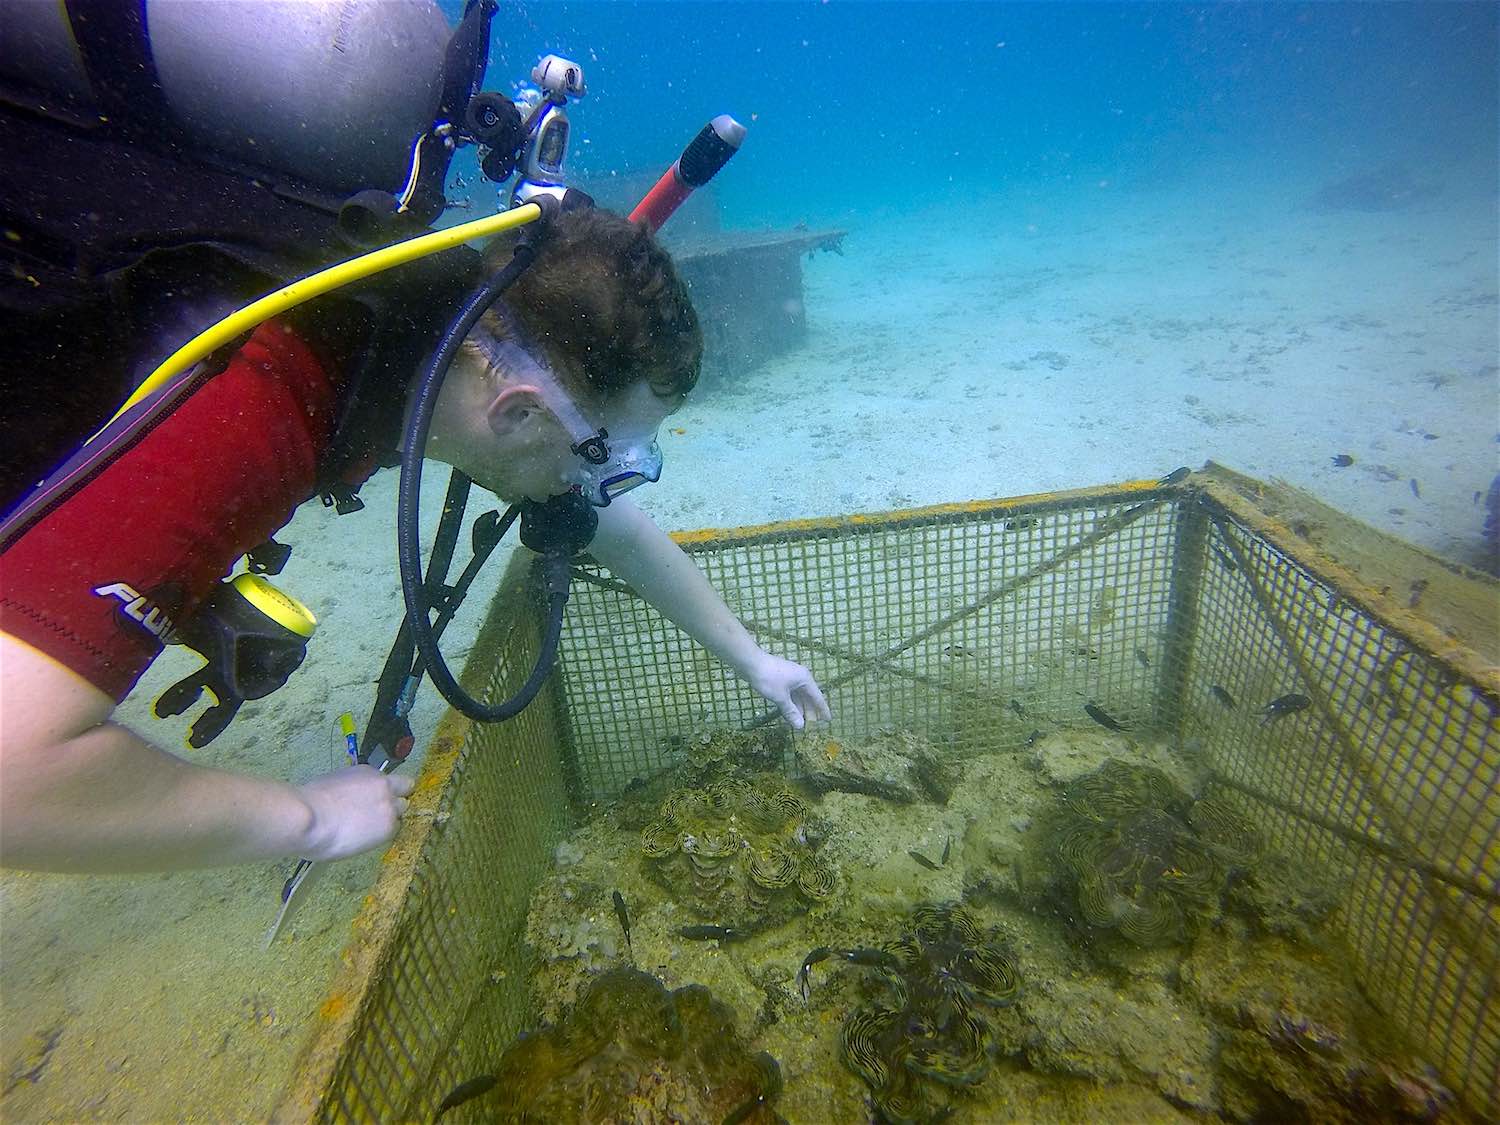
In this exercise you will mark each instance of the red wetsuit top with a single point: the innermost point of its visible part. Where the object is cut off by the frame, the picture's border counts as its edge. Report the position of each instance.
(96, 583)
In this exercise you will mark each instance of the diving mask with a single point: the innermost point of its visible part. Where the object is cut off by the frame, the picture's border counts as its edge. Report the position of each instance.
(611, 462)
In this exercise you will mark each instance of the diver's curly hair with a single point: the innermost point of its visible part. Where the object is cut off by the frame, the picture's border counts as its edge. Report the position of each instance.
(604, 302)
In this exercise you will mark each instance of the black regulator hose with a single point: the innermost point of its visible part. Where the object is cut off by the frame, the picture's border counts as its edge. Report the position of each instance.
(556, 550)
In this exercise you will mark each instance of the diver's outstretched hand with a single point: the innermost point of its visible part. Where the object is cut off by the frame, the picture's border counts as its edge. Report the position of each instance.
(354, 809)
(791, 687)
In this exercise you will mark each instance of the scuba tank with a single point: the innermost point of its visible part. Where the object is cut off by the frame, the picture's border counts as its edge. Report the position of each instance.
(330, 92)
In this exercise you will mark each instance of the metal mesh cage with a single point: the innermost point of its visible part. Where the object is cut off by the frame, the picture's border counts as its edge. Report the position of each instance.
(432, 983)
(1389, 786)
(975, 625)
(935, 620)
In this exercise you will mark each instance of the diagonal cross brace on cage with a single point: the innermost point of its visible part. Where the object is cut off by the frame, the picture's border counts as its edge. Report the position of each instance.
(1349, 753)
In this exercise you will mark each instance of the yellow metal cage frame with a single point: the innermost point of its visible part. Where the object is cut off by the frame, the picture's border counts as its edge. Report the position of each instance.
(983, 621)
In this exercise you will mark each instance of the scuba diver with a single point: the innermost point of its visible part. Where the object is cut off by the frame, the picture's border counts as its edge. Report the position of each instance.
(283, 230)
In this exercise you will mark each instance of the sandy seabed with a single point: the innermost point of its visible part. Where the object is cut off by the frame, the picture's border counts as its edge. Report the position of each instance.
(1019, 344)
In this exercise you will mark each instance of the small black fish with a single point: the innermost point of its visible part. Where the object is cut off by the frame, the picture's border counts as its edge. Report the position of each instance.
(465, 1091)
(923, 860)
(1224, 560)
(876, 958)
(624, 916)
(1418, 587)
(1288, 704)
(947, 850)
(1033, 738)
(1140, 654)
(1100, 716)
(871, 958)
(957, 650)
(1020, 524)
(1015, 705)
(1222, 695)
(1342, 460)
(804, 974)
(707, 932)
(1176, 476)
(1415, 489)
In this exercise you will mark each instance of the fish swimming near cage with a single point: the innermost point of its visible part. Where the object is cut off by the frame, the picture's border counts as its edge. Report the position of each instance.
(1285, 705)
(623, 915)
(1104, 718)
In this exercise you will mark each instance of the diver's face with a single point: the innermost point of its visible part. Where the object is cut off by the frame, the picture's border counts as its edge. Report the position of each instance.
(534, 458)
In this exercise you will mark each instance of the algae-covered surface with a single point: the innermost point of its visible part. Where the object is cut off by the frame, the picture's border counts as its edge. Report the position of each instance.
(968, 984)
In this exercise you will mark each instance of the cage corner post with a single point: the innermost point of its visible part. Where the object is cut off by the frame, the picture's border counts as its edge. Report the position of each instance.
(1189, 557)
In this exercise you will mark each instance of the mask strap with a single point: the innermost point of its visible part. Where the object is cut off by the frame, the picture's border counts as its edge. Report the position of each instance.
(522, 363)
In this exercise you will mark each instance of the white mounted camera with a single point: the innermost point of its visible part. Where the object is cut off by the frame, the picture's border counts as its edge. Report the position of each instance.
(558, 77)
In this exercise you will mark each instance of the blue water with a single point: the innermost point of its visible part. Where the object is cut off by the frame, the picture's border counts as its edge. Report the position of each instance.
(1270, 228)
(854, 107)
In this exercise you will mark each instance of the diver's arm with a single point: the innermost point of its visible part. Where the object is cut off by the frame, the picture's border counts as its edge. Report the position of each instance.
(643, 555)
(80, 793)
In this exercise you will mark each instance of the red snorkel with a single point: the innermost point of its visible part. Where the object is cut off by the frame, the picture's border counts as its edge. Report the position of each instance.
(709, 151)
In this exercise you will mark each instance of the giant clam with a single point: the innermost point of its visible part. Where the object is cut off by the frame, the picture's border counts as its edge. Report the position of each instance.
(929, 1027)
(1139, 857)
(740, 851)
(629, 1050)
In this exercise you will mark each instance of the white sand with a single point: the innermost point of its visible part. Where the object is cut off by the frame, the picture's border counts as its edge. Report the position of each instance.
(1017, 345)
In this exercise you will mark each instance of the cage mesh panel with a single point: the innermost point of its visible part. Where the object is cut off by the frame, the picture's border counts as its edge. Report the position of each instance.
(973, 629)
(1385, 786)
(452, 991)
(976, 626)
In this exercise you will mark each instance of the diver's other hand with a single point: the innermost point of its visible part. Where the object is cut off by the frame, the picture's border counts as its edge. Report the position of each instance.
(353, 810)
(791, 687)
